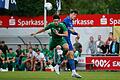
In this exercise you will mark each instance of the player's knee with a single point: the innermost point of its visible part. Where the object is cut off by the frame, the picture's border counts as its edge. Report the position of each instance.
(71, 55)
(66, 47)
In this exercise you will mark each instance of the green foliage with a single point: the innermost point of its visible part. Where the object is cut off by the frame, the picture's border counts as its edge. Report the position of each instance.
(36, 7)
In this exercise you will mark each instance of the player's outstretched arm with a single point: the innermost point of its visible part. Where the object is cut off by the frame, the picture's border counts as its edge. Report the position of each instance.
(40, 31)
(74, 33)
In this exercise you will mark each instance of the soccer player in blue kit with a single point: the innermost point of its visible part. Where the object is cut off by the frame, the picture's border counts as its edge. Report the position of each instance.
(68, 21)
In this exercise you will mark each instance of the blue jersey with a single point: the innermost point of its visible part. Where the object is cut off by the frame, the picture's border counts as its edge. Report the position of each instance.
(69, 24)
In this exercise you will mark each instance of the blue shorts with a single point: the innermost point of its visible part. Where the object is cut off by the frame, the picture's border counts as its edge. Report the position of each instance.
(70, 44)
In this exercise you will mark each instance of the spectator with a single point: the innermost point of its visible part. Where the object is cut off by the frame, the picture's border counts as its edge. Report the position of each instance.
(109, 41)
(3, 64)
(99, 43)
(40, 58)
(19, 52)
(4, 48)
(32, 55)
(11, 56)
(45, 50)
(77, 46)
(26, 50)
(91, 46)
(104, 49)
(36, 47)
(114, 47)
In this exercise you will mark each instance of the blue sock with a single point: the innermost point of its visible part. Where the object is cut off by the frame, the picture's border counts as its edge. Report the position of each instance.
(72, 63)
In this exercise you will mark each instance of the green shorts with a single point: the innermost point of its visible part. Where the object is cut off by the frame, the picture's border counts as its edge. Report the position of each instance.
(54, 42)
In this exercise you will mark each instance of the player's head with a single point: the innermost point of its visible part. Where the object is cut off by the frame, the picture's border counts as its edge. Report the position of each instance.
(30, 49)
(10, 50)
(58, 47)
(56, 19)
(38, 51)
(73, 14)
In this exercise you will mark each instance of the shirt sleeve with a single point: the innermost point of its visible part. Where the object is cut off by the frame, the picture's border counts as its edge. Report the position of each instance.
(48, 26)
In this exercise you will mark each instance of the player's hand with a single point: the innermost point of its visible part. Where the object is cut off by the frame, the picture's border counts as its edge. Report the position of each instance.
(33, 34)
(72, 30)
(56, 32)
(78, 36)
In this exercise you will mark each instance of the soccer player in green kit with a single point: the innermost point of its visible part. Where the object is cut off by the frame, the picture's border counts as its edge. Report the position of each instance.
(58, 32)
(11, 56)
(3, 64)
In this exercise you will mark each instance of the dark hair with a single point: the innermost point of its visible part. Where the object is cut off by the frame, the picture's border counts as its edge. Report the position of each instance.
(30, 48)
(111, 33)
(2, 41)
(73, 11)
(19, 45)
(56, 17)
(10, 48)
(37, 50)
(36, 45)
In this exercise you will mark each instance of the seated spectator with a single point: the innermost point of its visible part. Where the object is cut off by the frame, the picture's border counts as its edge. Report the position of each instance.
(19, 52)
(40, 59)
(11, 56)
(3, 63)
(32, 55)
(26, 62)
(4, 48)
(26, 49)
(104, 49)
(36, 47)
(114, 47)
(45, 50)
(77, 46)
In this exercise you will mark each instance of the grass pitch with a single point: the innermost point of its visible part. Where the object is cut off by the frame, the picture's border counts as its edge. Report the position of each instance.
(63, 76)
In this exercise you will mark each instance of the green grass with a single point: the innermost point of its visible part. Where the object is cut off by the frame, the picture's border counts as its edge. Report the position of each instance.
(63, 76)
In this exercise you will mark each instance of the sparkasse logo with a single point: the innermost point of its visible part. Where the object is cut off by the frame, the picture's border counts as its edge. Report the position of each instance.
(103, 20)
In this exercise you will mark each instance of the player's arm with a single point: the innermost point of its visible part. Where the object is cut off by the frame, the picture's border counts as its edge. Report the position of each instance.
(65, 34)
(2, 58)
(40, 31)
(74, 33)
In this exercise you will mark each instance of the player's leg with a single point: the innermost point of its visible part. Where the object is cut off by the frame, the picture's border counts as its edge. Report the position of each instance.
(13, 65)
(52, 46)
(41, 64)
(71, 61)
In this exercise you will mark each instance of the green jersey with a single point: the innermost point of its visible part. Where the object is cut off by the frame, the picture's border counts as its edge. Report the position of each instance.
(45, 51)
(35, 49)
(11, 55)
(26, 51)
(60, 28)
(2, 55)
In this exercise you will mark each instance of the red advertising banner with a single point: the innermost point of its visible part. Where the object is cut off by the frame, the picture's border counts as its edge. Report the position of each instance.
(95, 20)
(103, 63)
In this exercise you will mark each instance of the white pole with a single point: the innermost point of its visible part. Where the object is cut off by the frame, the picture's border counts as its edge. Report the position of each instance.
(45, 14)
